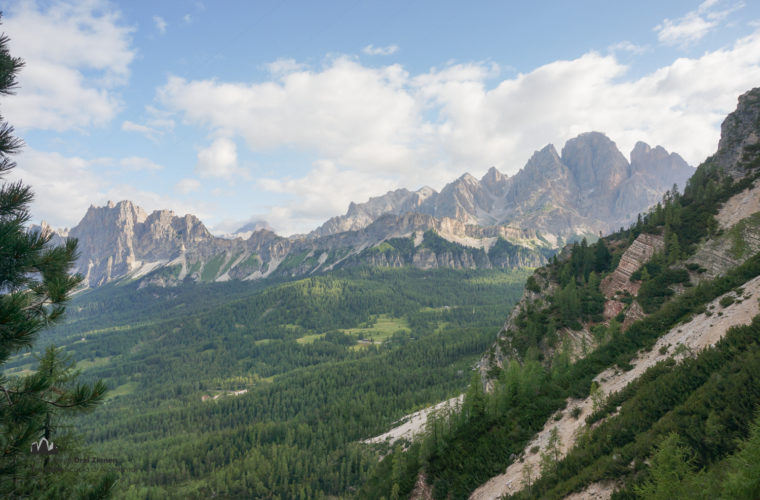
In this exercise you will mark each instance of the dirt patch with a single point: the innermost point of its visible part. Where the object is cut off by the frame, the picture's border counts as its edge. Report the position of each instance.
(595, 491)
(414, 424)
(700, 332)
(739, 207)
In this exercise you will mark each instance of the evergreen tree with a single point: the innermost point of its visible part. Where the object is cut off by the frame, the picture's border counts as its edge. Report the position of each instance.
(34, 285)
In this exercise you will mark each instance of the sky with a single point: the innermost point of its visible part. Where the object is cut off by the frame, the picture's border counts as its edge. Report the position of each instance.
(286, 112)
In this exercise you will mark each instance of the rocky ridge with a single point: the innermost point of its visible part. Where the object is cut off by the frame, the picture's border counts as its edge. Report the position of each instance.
(589, 188)
(496, 221)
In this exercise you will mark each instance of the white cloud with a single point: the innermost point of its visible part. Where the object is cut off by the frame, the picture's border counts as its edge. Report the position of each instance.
(187, 18)
(282, 67)
(76, 53)
(148, 132)
(322, 193)
(627, 46)
(694, 25)
(187, 185)
(360, 116)
(382, 128)
(219, 160)
(139, 163)
(380, 51)
(64, 187)
(160, 24)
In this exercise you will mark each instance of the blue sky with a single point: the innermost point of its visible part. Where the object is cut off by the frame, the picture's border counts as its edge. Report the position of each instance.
(287, 111)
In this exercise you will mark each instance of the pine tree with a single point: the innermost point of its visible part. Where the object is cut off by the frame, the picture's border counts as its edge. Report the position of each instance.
(34, 285)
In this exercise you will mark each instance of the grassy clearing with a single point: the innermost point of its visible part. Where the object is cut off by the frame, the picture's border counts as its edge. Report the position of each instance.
(87, 363)
(122, 390)
(119, 328)
(383, 328)
(309, 339)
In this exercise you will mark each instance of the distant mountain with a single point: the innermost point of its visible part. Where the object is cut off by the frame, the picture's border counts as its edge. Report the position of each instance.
(121, 241)
(497, 221)
(245, 231)
(590, 188)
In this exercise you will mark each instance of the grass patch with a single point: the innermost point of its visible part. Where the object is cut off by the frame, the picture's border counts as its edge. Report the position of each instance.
(86, 363)
(122, 390)
(309, 339)
(211, 269)
(383, 328)
(739, 245)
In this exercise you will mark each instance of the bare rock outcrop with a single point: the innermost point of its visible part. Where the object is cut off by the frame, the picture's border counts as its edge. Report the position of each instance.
(739, 139)
(636, 255)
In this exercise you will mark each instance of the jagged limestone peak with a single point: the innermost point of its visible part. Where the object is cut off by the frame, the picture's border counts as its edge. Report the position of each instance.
(740, 136)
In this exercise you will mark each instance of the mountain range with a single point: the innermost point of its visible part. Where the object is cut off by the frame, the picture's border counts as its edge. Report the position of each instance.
(496, 221)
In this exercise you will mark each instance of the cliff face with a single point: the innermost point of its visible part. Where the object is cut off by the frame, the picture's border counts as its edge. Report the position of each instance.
(740, 137)
(122, 241)
(636, 255)
(106, 237)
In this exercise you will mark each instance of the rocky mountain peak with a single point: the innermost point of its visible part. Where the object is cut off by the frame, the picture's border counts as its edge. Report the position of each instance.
(467, 178)
(640, 149)
(425, 192)
(668, 168)
(544, 163)
(739, 136)
(595, 161)
(494, 181)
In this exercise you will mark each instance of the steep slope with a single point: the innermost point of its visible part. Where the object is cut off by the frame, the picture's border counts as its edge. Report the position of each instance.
(614, 346)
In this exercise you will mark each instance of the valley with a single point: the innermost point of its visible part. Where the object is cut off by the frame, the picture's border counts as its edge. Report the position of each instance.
(243, 253)
(299, 384)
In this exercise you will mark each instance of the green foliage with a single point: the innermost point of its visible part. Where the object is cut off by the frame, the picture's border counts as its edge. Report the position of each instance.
(35, 287)
(532, 285)
(743, 478)
(670, 466)
(295, 433)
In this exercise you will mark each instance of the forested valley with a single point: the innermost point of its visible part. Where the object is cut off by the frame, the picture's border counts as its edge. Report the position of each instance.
(265, 390)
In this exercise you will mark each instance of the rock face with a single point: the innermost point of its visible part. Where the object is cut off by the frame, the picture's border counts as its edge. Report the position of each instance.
(363, 214)
(739, 140)
(493, 221)
(636, 255)
(590, 188)
(122, 241)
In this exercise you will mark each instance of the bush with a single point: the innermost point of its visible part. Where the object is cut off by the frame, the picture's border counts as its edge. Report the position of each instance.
(726, 301)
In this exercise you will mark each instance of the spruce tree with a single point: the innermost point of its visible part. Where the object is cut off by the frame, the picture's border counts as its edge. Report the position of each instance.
(35, 283)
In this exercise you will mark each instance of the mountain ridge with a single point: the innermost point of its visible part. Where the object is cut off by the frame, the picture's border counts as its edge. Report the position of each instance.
(547, 183)
(554, 199)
